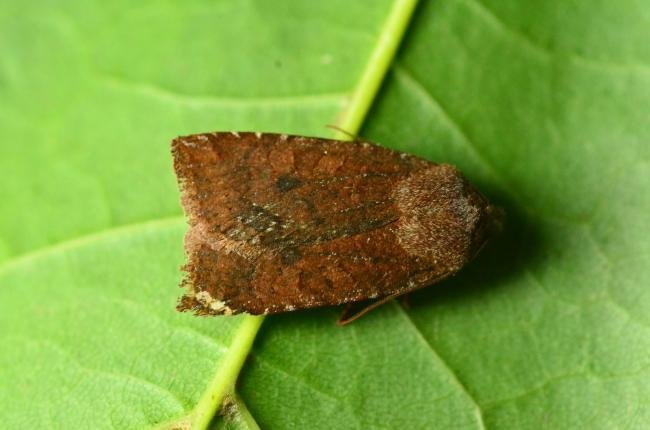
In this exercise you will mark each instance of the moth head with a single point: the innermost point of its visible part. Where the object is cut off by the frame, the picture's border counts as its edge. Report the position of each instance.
(442, 217)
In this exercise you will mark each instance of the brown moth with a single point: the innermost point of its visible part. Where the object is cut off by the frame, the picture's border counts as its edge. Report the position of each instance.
(279, 223)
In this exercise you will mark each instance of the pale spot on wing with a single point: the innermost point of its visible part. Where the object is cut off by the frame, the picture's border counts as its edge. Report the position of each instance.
(216, 306)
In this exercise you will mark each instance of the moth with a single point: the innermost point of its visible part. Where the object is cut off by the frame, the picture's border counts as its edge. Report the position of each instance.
(279, 223)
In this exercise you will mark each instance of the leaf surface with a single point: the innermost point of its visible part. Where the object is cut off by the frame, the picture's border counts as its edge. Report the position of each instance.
(546, 109)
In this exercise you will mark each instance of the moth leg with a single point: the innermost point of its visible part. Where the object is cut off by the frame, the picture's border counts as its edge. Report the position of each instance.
(405, 301)
(346, 319)
(346, 311)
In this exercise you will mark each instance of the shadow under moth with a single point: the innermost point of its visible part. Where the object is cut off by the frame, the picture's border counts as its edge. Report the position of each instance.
(279, 223)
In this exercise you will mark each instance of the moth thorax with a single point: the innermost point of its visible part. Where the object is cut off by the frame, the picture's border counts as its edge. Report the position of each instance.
(440, 214)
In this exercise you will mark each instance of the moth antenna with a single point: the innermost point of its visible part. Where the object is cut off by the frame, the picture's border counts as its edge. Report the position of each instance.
(354, 137)
(344, 320)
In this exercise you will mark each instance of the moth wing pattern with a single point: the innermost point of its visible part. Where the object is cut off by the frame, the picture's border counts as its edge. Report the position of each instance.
(279, 222)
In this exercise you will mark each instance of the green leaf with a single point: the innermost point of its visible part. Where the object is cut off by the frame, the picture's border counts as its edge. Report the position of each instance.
(545, 108)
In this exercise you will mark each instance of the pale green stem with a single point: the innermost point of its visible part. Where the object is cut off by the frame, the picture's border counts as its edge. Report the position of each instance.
(229, 368)
(376, 68)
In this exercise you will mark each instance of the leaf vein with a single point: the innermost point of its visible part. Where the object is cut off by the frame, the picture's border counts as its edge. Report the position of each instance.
(302, 382)
(83, 240)
(159, 92)
(411, 83)
(185, 329)
(110, 374)
(535, 47)
(452, 375)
